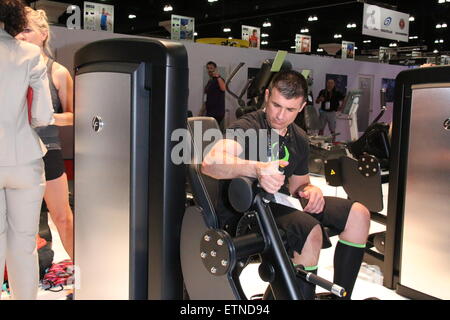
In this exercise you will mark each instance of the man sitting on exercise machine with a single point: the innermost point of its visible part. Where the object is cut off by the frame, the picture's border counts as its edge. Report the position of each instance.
(228, 159)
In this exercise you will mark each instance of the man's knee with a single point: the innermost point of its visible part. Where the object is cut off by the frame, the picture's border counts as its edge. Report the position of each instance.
(360, 215)
(315, 237)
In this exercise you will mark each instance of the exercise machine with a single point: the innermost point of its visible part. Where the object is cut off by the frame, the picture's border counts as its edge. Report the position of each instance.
(212, 258)
(255, 87)
(361, 173)
(130, 95)
(419, 183)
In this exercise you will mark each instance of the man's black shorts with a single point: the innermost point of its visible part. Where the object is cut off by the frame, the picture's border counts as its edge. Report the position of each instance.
(298, 224)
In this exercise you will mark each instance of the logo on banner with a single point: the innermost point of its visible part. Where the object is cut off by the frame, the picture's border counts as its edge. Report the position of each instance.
(402, 24)
(387, 21)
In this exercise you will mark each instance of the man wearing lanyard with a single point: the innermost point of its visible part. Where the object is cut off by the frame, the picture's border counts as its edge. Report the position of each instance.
(330, 100)
(233, 157)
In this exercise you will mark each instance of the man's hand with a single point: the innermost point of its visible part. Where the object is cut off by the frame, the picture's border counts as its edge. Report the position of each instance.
(316, 202)
(269, 176)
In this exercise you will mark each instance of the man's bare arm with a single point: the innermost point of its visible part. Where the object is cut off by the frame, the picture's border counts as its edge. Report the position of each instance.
(222, 161)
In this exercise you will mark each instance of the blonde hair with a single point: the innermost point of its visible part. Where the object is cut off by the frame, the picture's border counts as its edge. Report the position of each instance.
(39, 19)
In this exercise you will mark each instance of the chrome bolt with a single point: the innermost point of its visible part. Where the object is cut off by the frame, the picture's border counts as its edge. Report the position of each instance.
(213, 253)
(220, 242)
(224, 263)
(213, 270)
(207, 238)
(203, 255)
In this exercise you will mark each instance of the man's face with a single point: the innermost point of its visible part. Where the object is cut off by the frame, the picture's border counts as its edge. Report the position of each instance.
(330, 85)
(211, 69)
(281, 112)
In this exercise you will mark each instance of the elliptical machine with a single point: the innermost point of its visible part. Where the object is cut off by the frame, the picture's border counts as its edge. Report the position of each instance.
(255, 87)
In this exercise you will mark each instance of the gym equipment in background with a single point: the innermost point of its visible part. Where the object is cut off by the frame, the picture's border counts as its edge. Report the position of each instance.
(419, 183)
(256, 87)
(361, 175)
(130, 95)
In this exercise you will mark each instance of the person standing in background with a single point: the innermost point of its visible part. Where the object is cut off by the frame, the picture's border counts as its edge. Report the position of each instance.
(61, 86)
(215, 95)
(330, 100)
(22, 181)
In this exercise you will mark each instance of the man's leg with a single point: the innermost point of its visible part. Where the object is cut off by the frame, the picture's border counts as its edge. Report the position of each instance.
(323, 121)
(309, 258)
(332, 123)
(350, 249)
(304, 238)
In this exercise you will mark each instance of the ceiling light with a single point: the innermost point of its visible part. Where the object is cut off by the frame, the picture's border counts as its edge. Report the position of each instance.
(264, 42)
(312, 18)
(413, 37)
(438, 26)
(412, 18)
(226, 30)
(305, 30)
(292, 47)
(267, 24)
(439, 41)
(435, 51)
(337, 36)
(211, 1)
(195, 34)
(168, 8)
(441, 1)
(367, 41)
(264, 35)
(319, 50)
(392, 44)
(229, 38)
(444, 25)
(351, 25)
(356, 48)
(131, 16)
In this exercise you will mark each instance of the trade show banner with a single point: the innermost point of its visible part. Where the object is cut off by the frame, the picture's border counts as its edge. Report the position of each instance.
(182, 28)
(252, 35)
(348, 50)
(302, 43)
(224, 42)
(98, 17)
(385, 23)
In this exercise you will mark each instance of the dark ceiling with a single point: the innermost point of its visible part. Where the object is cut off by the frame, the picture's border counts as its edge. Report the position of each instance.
(287, 18)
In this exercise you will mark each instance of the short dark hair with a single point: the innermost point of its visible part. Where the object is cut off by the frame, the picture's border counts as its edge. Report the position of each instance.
(212, 63)
(291, 84)
(12, 14)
